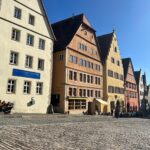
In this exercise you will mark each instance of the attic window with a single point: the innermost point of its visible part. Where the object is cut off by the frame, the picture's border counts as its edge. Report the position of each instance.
(85, 32)
(115, 49)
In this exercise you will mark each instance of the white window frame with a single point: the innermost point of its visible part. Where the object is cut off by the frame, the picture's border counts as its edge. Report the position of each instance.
(16, 34)
(41, 65)
(30, 39)
(11, 87)
(41, 44)
(14, 56)
(27, 87)
(29, 61)
(39, 88)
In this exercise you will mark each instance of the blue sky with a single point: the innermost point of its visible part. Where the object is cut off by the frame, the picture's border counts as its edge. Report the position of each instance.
(131, 19)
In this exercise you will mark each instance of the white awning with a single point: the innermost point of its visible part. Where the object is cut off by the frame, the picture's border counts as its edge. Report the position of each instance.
(102, 101)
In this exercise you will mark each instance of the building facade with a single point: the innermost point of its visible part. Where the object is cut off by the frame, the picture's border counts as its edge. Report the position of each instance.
(26, 47)
(140, 85)
(78, 71)
(113, 71)
(131, 91)
(144, 84)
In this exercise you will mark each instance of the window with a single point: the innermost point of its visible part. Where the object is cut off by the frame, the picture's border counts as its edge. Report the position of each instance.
(88, 64)
(92, 51)
(61, 57)
(91, 79)
(74, 92)
(76, 104)
(70, 91)
(70, 75)
(88, 93)
(118, 63)
(82, 47)
(73, 59)
(99, 93)
(81, 62)
(81, 77)
(88, 78)
(99, 81)
(29, 61)
(84, 63)
(91, 93)
(96, 94)
(112, 60)
(110, 73)
(41, 44)
(95, 80)
(80, 93)
(31, 19)
(84, 77)
(39, 88)
(30, 39)
(111, 89)
(17, 13)
(13, 58)
(97, 67)
(84, 92)
(40, 64)
(91, 65)
(15, 35)
(75, 76)
(115, 49)
(27, 87)
(116, 75)
(121, 77)
(11, 86)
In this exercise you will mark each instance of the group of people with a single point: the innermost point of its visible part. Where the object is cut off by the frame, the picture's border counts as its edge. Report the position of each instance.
(6, 107)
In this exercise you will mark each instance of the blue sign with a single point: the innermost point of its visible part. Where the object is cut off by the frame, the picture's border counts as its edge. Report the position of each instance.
(26, 74)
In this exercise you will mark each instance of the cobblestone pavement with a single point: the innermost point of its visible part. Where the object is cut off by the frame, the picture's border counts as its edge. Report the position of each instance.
(60, 132)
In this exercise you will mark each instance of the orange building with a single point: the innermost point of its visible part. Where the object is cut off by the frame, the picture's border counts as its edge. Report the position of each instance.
(131, 91)
(77, 68)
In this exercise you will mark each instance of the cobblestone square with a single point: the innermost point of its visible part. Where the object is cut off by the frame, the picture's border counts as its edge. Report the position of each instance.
(62, 132)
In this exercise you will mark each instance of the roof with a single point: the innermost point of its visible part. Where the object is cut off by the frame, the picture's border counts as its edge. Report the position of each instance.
(48, 22)
(144, 79)
(105, 43)
(65, 30)
(126, 62)
(137, 76)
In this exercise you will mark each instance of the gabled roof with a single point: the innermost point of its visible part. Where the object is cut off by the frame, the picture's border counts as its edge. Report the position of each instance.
(48, 22)
(66, 29)
(137, 76)
(144, 79)
(105, 43)
(126, 62)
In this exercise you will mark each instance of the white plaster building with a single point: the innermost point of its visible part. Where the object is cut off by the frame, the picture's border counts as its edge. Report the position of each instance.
(26, 52)
(140, 84)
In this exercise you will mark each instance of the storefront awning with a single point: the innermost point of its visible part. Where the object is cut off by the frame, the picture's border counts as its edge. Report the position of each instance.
(102, 101)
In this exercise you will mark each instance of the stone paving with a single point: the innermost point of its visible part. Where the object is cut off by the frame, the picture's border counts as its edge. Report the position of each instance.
(62, 132)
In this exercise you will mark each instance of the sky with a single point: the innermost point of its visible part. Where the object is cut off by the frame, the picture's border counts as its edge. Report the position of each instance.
(130, 18)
